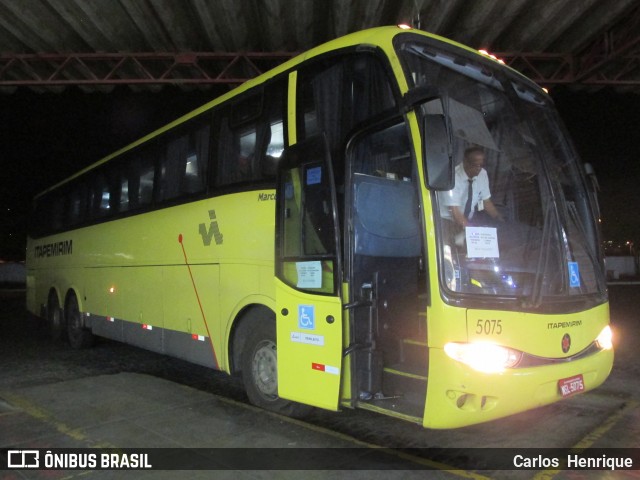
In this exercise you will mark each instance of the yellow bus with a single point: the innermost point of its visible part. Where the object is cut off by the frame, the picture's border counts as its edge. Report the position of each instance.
(297, 232)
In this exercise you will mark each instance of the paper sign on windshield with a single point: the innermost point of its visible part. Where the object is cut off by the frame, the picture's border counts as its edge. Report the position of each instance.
(482, 242)
(309, 274)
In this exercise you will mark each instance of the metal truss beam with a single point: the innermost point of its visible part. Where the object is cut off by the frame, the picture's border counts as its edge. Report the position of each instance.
(59, 69)
(551, 69)
(613, 58)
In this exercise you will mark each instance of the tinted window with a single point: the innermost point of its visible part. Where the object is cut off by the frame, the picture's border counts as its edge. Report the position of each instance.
(77, 204)
(251, 137)
(184, 162)
(100, 195)
(336, 95)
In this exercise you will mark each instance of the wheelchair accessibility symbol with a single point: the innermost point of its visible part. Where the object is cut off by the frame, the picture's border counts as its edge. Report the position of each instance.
(306, 317)
(574, 274)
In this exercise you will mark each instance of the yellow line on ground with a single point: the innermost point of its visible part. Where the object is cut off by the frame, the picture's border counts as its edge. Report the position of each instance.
(315, 428)
(592, 437)
(41, 414)
(6, 414)
(76, 475)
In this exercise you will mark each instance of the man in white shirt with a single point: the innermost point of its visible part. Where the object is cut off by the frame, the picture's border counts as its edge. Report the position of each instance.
(471, 192)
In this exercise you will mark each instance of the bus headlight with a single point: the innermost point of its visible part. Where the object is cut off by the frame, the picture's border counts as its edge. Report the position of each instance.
(483, 356)
(605, 339)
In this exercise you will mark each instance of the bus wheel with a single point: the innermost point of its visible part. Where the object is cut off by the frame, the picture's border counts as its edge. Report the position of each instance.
(260, 371)
(54, 317)
(79, 337)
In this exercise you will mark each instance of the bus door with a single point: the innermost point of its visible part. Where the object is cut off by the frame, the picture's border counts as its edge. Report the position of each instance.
(386, 272)
(308, 271)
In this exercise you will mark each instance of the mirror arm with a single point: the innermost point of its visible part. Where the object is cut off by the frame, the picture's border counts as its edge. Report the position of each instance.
(417, 96)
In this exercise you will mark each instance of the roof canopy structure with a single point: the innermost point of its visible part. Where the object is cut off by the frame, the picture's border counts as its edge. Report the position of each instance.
(96, 44)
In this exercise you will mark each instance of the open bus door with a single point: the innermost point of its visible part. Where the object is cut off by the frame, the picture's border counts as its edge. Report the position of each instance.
(308, 270)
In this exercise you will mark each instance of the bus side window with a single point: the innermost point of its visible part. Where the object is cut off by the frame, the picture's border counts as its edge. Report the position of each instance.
(183, 168)
(123, 191)
(307, 222)
(245, 141)
(136, 188)
(196, 161)
(237, 141)
(368, 89)
(77, 204)
(232, 162)
(319, 103)
(272, 138)
(57, 211)
(251, 137)
(335, 97)
(292, 220)
(274, 150)
(100, 196)
(172, 167)
(146, 175)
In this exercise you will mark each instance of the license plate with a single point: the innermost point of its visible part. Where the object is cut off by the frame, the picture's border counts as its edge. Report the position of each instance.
(571, 386)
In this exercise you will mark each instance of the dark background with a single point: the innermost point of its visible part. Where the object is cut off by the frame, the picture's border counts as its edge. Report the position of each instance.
(46, 137)
(605, 127)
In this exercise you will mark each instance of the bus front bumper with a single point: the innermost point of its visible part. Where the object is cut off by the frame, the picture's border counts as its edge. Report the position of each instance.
(458, 395)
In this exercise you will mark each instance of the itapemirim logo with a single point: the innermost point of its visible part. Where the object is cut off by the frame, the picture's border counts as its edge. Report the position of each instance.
(212, 232)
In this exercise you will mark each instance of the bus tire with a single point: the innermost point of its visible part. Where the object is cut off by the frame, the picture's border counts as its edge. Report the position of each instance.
(79, 336)
(55, 319)
(259, 371)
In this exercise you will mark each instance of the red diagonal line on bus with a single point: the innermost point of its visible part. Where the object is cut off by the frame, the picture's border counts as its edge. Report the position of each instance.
(204, 318)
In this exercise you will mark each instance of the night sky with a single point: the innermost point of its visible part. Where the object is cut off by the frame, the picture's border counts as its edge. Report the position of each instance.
(45, 137)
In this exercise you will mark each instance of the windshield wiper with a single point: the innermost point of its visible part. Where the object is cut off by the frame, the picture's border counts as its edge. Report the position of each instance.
(535, 298)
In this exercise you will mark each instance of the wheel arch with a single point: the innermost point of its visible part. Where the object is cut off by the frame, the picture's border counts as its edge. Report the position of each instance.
(53, 290)
(243, 321)
(73, 291)
(45, 309)
(78, 334)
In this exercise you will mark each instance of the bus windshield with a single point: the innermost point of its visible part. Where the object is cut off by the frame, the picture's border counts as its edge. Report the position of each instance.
(519, 222)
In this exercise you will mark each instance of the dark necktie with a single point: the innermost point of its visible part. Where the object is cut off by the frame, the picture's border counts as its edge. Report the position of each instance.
(467, 207)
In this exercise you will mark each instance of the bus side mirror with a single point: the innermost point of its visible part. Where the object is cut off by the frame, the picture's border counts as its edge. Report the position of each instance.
(437, 158)
(437, 145)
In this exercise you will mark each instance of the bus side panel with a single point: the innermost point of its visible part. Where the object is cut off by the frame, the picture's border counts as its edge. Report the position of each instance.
(51, 263)
(129, 294)
(309, 337)
(191, 333)
(246, 247)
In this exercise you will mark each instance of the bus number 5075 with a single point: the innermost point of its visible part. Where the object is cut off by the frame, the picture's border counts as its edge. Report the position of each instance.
(489, 327)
